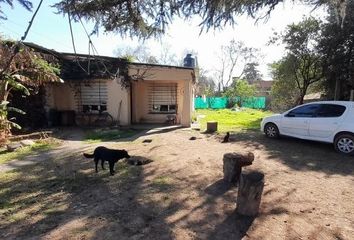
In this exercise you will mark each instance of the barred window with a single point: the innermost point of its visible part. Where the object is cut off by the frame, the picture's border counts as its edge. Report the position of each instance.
(163, 98)
(93, 96)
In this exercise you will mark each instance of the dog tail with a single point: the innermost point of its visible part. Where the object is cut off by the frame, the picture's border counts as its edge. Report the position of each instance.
(89, 155)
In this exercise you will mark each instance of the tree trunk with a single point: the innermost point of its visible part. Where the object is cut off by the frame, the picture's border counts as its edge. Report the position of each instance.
(301, 97)
(337, 89)
(250, 193)
(233, 163)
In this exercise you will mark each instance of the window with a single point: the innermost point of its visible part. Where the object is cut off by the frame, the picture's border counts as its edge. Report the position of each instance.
(92, 96)
(330, 110)
(163, 98)
(304, 111)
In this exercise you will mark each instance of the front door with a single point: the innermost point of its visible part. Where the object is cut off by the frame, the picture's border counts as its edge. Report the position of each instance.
(296, 122)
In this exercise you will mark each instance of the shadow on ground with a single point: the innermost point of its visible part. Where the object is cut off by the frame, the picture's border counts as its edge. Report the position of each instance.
(298, 154)
(125, 134)
(62, 198)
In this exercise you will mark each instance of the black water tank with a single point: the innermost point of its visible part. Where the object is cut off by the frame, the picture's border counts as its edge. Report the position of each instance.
(189, 61)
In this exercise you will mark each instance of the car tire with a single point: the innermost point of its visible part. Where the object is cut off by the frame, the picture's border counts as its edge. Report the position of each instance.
(271, 130)
(344, 143)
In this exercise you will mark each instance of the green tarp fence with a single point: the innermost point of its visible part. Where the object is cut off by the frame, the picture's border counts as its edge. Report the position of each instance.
(222, 102)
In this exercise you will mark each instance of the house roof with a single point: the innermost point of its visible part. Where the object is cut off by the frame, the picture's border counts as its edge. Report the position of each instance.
(80, 66)
(264, 84)
(75, 66)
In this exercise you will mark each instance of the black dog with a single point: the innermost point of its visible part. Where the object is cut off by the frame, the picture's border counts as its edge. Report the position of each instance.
(106, 154)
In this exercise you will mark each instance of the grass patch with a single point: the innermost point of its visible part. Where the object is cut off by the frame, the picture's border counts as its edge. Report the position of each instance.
(247, 119)
(162, 183)
(124, 171)
(46, 197)
(108, 135)
(20, 153)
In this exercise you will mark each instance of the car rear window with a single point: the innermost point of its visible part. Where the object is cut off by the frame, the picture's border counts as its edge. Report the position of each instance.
(330, 110)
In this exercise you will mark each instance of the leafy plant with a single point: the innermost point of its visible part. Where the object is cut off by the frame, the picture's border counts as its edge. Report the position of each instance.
(240, 89)
(302, 62)
(21, 69)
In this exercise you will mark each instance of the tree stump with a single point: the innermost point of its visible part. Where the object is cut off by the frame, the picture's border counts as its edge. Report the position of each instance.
(233, 163)
(250, 193)
(212, 127)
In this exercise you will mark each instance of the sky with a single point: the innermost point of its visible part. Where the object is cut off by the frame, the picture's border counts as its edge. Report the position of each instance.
(51, 30)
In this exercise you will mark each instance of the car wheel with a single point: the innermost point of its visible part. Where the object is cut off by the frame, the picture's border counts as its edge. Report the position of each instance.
(344, 143)
(271, 130)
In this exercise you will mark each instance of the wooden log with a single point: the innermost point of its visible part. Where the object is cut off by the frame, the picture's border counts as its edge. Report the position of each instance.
(36, 135)
(13, 146)
(250, 193)
(212, 127)
(233, 163)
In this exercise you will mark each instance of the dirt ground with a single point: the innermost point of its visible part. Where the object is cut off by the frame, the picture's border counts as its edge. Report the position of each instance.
(308, 194)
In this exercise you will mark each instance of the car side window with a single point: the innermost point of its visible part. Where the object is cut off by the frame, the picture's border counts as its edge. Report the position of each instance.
(304, 111)
(330, 110)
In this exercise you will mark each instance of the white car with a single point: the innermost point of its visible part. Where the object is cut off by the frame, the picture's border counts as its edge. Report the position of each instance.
(326, 121)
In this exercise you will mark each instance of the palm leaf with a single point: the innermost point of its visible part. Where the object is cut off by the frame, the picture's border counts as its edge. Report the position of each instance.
(13, 109)
(18, 86)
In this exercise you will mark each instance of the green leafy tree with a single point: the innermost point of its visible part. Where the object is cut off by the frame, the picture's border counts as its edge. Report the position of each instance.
(21, 69)
(251, 73)
(303, 62)
(241, 90)
(337, 47)
(151, 18)
(284, 92)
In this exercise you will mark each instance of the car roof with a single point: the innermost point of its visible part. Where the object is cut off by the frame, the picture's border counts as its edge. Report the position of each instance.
(345, 103)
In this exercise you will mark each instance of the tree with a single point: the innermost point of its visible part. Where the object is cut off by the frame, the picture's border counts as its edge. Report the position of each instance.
(233, 56)
(166, 57)
(143, 54)
(251, 73)
(240, 89)
(206, 85)
(21, 69)
(151, 18)
(337, 48)
(284, 92)
(25, 3)
(140, 54)
(302, 62)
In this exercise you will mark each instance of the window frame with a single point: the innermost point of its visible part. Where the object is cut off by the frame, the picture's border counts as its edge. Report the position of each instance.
(343, 110)
(291, 113)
